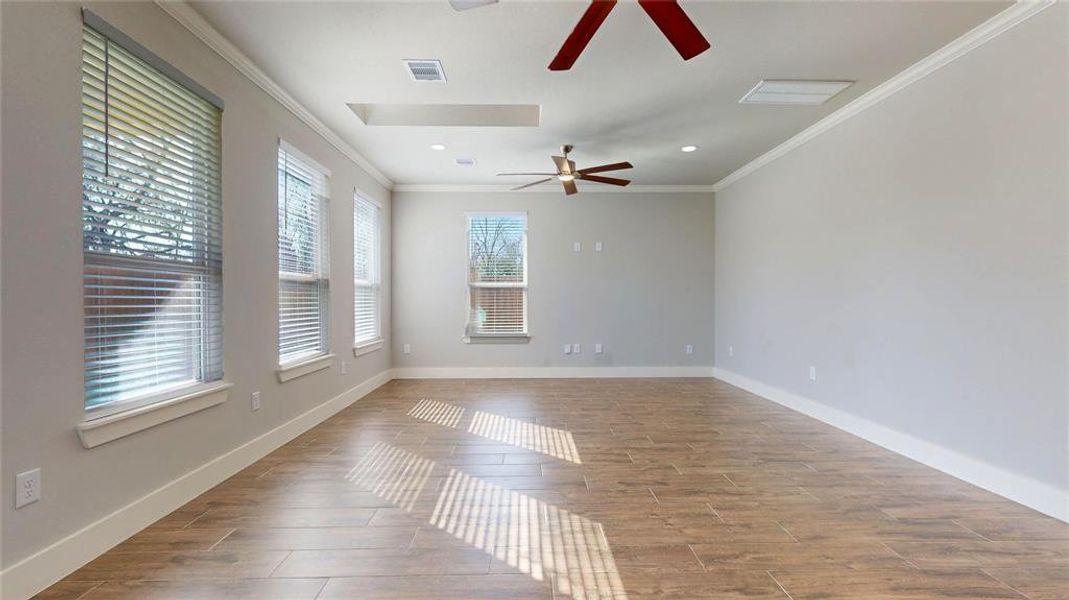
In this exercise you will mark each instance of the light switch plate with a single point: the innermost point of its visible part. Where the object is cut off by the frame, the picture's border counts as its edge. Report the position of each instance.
(597, 246)
(578, 246)
(812, 373)
(406, 349)
(597, 348)
(567, 348)
(689, 349)
(575, 349)
(255, 400)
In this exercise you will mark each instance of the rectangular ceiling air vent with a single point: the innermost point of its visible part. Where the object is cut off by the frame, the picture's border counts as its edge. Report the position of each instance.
(793, 92)
(465, 161)
(425, 69)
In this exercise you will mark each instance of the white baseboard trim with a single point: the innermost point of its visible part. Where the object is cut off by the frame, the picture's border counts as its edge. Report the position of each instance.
(546, 372)
(35, 573)
(1036, 495)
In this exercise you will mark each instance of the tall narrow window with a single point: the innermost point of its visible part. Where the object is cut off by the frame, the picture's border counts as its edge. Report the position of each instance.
(151, 227)
(497, 274)
(303, 282)
(366, 273)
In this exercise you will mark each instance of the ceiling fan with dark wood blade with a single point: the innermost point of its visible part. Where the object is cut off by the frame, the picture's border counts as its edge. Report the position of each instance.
(567, 174)
(666, 14)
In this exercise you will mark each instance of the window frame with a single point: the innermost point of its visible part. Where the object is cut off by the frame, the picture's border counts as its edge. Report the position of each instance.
(364, 346)
(207, 365)
(301, 364)
(470, 334)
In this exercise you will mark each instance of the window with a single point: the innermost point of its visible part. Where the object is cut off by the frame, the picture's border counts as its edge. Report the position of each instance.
(151, 227)
(366, 272)
(303, 284)
(497, 275)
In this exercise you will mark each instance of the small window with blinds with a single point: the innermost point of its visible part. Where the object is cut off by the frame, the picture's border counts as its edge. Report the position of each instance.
(303, 282)
(497, 275)
(366, 273)
(151, 227)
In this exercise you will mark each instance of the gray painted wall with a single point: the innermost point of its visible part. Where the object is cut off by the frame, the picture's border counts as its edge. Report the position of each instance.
(916, 255)
(42, 265)
(645, 296)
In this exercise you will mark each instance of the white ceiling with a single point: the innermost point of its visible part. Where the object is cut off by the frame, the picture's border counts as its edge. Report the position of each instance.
(629, 96)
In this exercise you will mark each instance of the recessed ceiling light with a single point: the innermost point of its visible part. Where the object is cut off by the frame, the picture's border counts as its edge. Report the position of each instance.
(437, 146)
(786, 91)
(688, 148)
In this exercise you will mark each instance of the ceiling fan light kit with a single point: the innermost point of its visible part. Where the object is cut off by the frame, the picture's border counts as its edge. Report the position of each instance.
(567, 174)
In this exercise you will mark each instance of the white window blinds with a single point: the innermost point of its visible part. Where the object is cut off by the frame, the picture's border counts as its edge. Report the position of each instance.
(151, 231)
(303, 282)
(366, 272)
(497, 274)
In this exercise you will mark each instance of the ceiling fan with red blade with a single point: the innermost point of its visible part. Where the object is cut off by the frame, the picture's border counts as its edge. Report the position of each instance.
(567, 174)
(666, 14)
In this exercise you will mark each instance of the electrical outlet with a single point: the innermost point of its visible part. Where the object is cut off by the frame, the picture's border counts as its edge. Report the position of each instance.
(597, 348)
(344, 367)
(812, 373)
(406, 349)
(731, 350)
(27, 488)
(255, 400)
(575, 348)
(597, 246)
(689, 349)
(578, 246)
(567, 348)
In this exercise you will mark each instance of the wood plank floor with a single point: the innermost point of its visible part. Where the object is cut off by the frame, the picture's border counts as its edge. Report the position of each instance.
(614, 489)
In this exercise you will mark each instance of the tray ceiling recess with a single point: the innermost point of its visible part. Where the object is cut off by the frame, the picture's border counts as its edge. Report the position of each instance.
(448, 115)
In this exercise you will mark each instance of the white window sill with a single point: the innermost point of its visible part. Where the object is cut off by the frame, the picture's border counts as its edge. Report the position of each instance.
(185, 402)
(294, 370)
(497, 339)
(367, 347)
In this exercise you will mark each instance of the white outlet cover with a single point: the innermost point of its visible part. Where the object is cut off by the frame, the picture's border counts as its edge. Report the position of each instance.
(567, 348)
(812, 373)
(255, 399)
(344, 367)
(689, 349)
(578, 246)
(27, 488)
(597, 246)
(597, 348)
(575, 348)
(731, 350)
(406, 349)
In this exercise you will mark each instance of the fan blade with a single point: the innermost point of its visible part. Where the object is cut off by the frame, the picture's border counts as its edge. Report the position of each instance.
(603, 168)
(676, 26)
(506, 174)
(600, 179)
(527, 185)
(459, 5)
(569, 187)
(564, 166)
(580, 36)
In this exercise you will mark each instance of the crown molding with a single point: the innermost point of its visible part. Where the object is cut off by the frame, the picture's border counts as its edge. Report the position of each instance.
(497, 188)
(983, 33)
(182, 12)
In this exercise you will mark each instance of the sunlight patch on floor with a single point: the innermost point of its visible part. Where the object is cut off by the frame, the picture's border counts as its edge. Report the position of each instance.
(434, 411)
(530, 535)
(393, 474)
